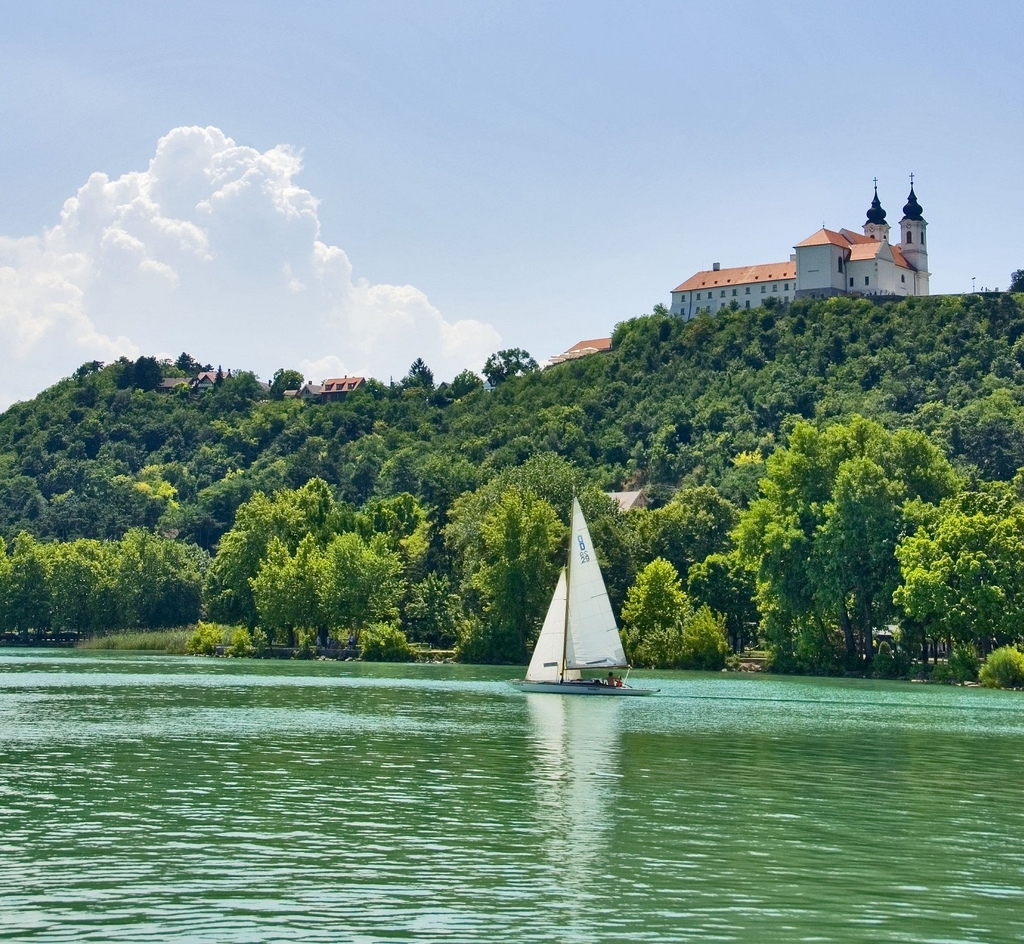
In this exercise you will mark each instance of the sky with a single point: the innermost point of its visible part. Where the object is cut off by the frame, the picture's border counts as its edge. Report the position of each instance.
(342, 187)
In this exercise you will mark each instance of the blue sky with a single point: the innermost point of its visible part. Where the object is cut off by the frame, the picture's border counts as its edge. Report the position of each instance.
(503, 174)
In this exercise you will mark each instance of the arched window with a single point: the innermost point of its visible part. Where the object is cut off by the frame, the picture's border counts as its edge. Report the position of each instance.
(910, 236)
(922, 237)
(840, 261)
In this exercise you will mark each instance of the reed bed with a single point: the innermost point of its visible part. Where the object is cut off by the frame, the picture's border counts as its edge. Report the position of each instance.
(170, 641)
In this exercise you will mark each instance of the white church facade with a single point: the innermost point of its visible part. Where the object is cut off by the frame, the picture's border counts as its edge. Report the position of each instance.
(825, 264)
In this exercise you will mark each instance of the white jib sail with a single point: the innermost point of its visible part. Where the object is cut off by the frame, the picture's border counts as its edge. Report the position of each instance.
(593, 636)
(545, 666)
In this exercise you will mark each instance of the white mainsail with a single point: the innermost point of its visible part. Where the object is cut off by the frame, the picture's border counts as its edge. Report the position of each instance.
(593, 638)
(546, 664)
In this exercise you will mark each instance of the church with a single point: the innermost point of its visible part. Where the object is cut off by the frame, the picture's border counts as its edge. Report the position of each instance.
(826, 263)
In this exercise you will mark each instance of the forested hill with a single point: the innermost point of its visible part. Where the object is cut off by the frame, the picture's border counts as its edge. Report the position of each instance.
(674, 403)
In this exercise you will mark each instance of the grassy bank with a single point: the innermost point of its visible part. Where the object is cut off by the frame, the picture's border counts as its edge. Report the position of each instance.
(171, 641)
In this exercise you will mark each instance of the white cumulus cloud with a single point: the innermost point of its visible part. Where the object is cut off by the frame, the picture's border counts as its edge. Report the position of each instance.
(214, 250)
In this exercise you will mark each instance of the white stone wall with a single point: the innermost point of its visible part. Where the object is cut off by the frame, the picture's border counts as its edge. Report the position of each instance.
(746, 295)
(817, 268)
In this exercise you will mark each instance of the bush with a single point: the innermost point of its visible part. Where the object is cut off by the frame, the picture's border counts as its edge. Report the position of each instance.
(383, 642)
(260, 642)
(306, 648)
(884, 664)
(704, 643)
(241, 644)
(205, 639)
(1004, 668)
(963, 663)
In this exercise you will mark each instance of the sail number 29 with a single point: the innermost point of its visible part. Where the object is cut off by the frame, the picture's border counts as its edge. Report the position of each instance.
(584, 556)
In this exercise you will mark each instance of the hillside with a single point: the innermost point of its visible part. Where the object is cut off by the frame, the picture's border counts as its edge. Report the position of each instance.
(861, 426)
(674, 403)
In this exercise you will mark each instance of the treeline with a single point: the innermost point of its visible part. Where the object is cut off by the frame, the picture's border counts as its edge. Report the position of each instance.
(808, 467)
(88, 587)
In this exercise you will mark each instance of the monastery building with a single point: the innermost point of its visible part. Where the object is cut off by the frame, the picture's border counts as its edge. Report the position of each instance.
(826, 263)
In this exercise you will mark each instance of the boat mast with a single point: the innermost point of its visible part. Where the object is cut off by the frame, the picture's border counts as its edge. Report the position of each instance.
(568, 577)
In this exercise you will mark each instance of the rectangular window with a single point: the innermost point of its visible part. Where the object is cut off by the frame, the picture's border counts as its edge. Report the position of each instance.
(786, 286)
(867, 279)
(764, 288)
(785, 298)
(851, 281)
(748, 303)
(722, 295)
(748, 289)
(903, 278)
(734, 293)
(775, 287)
(698, 296)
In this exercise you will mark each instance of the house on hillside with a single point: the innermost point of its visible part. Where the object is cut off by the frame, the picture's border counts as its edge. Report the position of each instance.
(207, 379)
(337, 388)
(627, 501)
(307, 393)
(826, 263)
(170, 384)
(582, 349)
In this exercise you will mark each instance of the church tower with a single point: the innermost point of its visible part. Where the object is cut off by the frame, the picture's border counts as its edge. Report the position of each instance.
(875, 225)
(912, 240)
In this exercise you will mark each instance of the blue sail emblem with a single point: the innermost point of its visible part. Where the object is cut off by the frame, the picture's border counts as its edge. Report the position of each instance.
(584, 556)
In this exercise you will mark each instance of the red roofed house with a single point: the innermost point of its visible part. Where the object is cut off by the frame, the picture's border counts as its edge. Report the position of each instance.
(582, 349)
(337, 388)
(827, 263)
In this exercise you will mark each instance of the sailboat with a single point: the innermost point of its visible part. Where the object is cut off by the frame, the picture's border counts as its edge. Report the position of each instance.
(579, 631)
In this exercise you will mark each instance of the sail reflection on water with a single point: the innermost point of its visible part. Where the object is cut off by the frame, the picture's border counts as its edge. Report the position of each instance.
(578, 766)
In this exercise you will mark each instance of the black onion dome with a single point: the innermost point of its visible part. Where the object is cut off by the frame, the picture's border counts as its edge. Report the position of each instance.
(875, 213)
(912, 211)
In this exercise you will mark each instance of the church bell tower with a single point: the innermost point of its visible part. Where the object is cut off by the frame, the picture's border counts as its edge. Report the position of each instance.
(875, 225)
(912, 240)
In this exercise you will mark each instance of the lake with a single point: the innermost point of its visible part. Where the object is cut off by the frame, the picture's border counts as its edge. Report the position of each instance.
(155, 798)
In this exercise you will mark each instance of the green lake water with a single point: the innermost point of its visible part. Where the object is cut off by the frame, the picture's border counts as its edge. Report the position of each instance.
(151, 798)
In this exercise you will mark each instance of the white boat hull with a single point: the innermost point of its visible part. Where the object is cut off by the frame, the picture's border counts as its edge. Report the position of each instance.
(581, 687)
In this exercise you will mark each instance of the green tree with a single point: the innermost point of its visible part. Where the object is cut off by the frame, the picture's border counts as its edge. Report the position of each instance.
(721, 582)
(695, 524)
(653, 616)
(520, 539)
(508, 363)
(1017, 281)
(963, 572)
(361, 582)
(820, 539)
(27, 597)
(419, 376)
(464, 383)
(434, 614)
(76, 575)
(285, 379)
(288, 589)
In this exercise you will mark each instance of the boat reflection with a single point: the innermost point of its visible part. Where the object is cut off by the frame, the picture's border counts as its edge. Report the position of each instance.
(577, 772)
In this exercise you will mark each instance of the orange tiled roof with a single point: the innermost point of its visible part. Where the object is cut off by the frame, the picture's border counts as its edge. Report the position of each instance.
(843, 238)
(856, 237)
(595, 344)
(739, 275)
(864, 251)
(341, 384)
(900, 259)
(824, 237)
